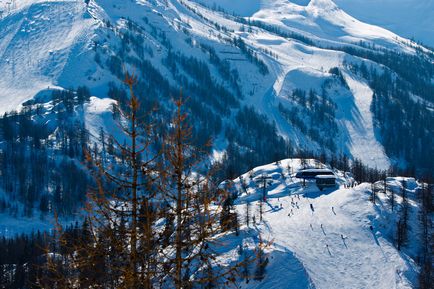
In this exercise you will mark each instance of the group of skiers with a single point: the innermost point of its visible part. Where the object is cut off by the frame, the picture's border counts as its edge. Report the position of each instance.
(351, 184)
(295, 205)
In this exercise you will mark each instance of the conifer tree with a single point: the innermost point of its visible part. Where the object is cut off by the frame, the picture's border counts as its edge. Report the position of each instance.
(190, 255)
(152, 219)
(115, 252)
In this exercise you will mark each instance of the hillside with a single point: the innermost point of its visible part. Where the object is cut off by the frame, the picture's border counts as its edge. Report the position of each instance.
(274, 50)
(329, 244)
(350, 235)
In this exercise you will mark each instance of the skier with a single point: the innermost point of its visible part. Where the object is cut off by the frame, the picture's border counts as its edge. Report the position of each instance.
(328, 249)
(311, 207)
(322, 229)
(343, 240)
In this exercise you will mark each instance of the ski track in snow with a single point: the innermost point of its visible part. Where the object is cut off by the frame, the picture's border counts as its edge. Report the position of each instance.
(364, 263)
(361, 259)
(363, 142)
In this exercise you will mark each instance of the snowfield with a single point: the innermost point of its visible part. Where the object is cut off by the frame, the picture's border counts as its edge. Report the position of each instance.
(363, 141)
(408, 18)
(332, 239)
(46, 44)
(331, 246)
(37, 40)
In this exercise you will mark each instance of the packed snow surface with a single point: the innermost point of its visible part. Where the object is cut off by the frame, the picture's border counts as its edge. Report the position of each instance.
(327, 232)
(363, 142)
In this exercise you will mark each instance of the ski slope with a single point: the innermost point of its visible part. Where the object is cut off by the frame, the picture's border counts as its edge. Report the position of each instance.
(333, 242)
(363, 142)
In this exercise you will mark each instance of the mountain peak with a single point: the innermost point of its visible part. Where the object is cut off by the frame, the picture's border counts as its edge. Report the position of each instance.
(323, 4)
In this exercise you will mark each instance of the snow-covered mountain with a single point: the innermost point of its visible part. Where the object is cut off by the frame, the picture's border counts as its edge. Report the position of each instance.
(407, 18)
(266, 78)
(410, 19)
(284, 45)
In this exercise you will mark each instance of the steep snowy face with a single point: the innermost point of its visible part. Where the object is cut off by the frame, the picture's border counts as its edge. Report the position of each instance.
(37, 41)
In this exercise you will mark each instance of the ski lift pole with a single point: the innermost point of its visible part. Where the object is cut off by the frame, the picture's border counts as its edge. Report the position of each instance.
(263, 179)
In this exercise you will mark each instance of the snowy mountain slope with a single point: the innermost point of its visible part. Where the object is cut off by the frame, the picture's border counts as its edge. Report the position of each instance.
(318, 16)
(407, 18)
(38, 39)
(324, 19)
(410, 19)
(313, 76)
(364, 144)
(66, 44)
(332, 241)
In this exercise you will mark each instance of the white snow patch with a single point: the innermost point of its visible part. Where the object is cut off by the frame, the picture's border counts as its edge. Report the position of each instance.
(364, 144)
(37, 39)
